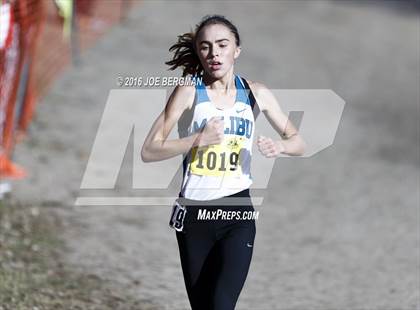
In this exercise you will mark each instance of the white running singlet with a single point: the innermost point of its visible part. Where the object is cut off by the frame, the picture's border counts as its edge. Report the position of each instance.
(219, 170)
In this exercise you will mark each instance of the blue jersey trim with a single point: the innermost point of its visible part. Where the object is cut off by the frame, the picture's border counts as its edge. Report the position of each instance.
(201, 93)
(241, 93)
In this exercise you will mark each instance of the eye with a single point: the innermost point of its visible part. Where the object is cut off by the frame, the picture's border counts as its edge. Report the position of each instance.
(204, 48)
(223, 45)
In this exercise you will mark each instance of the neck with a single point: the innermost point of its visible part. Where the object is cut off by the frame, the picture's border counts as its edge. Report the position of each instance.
(224, 84)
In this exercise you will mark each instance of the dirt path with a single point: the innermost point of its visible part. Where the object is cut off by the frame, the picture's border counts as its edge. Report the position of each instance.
(337, 231)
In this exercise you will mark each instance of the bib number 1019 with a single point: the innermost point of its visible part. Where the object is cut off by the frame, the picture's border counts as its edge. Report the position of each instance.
(217, 160)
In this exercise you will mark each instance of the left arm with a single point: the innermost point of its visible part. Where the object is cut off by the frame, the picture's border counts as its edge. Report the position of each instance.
(290, 142)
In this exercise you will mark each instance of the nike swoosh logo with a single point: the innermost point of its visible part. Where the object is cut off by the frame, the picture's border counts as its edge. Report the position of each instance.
(249, 245)
(239, 111)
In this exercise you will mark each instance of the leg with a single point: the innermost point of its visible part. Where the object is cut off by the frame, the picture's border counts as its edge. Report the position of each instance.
(195, 249)
(236, 252)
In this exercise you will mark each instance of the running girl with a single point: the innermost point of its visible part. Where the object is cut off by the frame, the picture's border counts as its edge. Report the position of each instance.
(216, 125)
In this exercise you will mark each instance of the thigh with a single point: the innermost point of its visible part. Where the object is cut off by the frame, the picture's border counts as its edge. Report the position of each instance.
(198, 259)
(194, 247)
(236, 250)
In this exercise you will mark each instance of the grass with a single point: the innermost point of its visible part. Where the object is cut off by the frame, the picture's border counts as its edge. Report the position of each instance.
(32, 275)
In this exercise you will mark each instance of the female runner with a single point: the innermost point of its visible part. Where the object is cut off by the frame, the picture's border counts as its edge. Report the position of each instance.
(216, 124)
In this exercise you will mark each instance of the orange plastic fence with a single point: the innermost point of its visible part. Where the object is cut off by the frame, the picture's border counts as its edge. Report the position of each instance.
(34, 51)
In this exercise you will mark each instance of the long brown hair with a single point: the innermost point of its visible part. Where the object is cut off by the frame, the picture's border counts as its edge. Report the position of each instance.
(185, 55)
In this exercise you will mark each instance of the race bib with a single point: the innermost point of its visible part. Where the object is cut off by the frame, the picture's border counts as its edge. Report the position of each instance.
(218, 159)
(177, 216)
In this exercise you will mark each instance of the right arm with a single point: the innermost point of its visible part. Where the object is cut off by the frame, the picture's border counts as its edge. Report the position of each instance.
(156, 147)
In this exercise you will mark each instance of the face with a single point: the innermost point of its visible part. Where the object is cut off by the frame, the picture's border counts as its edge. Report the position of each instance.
(217, 50)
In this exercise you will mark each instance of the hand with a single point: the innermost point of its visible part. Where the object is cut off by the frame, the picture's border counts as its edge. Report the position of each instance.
(270, 148)
(213, 132)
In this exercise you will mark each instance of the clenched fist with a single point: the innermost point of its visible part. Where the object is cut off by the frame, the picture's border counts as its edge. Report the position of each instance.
(213, 132)
(269, 148)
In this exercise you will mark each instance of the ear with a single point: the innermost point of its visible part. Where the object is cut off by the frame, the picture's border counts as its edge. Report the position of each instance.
(237, 52)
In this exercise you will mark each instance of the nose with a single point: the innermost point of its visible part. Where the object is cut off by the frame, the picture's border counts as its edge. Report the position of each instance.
(215, 51)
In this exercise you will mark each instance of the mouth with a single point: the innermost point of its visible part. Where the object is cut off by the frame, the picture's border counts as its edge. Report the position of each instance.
(215, 65)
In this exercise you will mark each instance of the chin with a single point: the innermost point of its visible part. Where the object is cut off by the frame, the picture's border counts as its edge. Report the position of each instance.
(216, 74)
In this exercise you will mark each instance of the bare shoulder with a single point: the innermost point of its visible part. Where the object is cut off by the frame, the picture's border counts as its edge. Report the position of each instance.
(182, 97)
(256, 85)
(185, 89)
